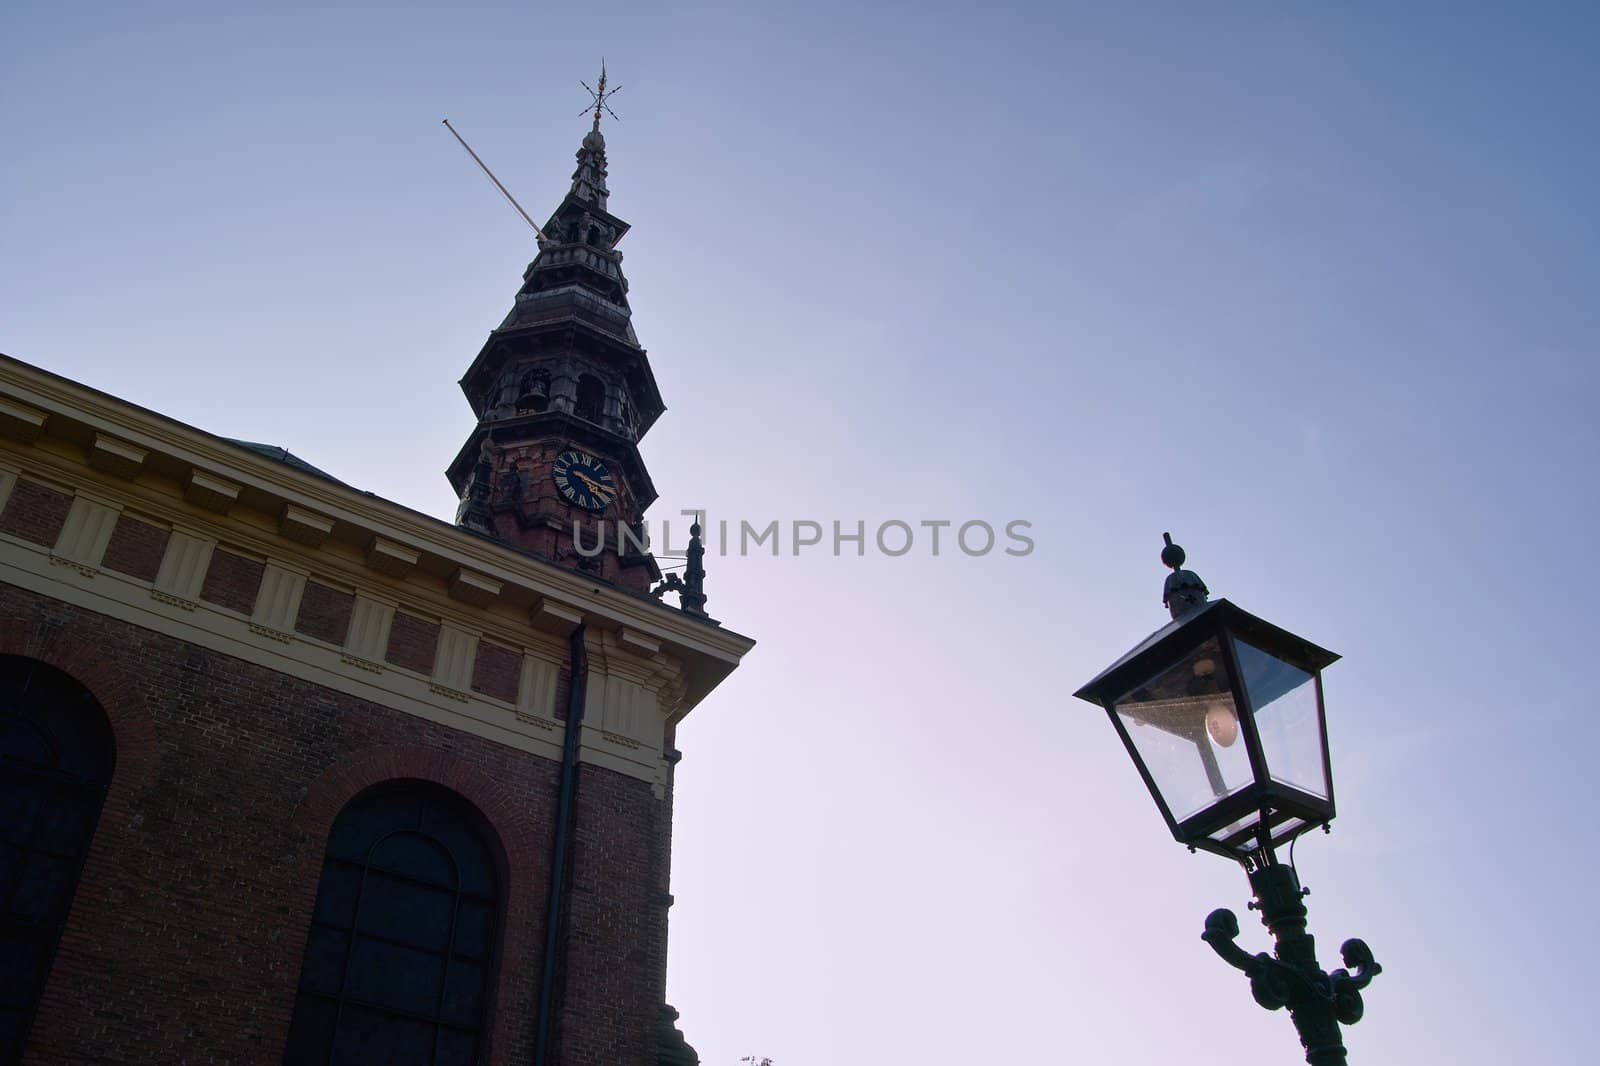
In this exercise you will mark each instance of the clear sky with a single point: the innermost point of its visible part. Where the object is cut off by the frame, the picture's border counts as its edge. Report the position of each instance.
(1310, 285)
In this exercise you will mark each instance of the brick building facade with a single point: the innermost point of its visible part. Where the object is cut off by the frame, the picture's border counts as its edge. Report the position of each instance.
(294, 774)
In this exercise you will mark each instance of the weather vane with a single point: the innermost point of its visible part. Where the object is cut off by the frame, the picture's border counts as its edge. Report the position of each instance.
(601, 97)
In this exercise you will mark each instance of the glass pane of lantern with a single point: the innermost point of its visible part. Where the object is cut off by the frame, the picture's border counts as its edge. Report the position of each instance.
(1285, 701)
(1186, 729)
(1289, 827)
(1236, 826)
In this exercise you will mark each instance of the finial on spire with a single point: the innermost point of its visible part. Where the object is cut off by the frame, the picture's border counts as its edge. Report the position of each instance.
(691, 587)
(601, 97)
(1184, 591)
(693, 597)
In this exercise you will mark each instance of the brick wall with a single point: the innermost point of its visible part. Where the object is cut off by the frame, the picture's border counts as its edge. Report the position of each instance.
(136, 548)
(496, 671)
(232, 581)
(185, 936)
(413, 642)
(35, 512)
(325, 612)
(616, 920)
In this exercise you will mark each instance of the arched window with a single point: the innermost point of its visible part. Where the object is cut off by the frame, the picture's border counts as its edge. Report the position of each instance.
(397, 962)
(591, 398)
(56, 755)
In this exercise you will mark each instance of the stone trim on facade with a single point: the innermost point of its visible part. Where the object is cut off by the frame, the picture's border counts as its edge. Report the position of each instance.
(244, 540)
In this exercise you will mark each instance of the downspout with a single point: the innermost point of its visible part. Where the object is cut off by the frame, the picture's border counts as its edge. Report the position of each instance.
(578, 662)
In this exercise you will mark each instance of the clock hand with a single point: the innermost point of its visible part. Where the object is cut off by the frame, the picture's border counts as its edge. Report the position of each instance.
(594, 486)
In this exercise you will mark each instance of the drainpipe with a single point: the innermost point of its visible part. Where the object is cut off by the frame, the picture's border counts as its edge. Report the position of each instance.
(578, 676)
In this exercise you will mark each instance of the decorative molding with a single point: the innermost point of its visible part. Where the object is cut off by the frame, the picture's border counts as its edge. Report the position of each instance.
(620, 707)
(553, 617)
(84, 535)
(211, 492)
(303, 526)
(116, 457)
(183, 569)
(278, 601)
(671, 696)
(272, 634)
(337, 563)
(362, 664)
(387, 557)
(83, 568)
(631, 696)
(368, 636)
(468, 586)
(619, 738)
(453, 661)
(546, 596)
(21, 421)
(638, 642)
(130, 600)
(536, 690)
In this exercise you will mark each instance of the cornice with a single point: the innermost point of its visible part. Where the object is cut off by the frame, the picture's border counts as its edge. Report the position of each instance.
(75, 417)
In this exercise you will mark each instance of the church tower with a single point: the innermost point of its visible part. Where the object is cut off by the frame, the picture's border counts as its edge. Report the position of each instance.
(563, 394)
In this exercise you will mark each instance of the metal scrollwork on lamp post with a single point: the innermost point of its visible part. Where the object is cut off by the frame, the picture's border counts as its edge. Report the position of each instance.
(1318, 1002)
(1223, 716)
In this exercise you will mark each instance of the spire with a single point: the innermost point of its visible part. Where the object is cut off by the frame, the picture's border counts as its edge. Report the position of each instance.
(578, 260)
(563, 385)
(589, 180)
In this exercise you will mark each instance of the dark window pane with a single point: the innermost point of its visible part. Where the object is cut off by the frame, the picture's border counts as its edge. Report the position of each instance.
(465, 843)
(19, 804)
(16, 972)
(373, 1038)
(462, 992)
(473, 922)
(416, 857)
(389, 890)
(369, 819)
(63, 824)
(325, 956)
(455, 1048)
(396, 977)
(25, 742)
(408, 912)
(11, 1022)
(11, 860)
(41, 887)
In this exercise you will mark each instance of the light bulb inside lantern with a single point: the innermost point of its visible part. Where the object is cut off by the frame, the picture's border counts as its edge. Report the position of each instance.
(1222, 724)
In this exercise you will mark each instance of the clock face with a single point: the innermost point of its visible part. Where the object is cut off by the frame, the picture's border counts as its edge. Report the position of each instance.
(584, 480)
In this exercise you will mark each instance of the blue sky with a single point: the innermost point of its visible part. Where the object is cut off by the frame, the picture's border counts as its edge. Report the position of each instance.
(1311, 286)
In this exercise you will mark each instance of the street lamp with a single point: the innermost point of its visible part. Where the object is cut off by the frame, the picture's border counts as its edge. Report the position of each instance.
(1222, 714)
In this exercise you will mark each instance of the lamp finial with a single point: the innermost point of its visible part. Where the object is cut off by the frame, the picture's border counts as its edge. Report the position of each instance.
(1184, 591)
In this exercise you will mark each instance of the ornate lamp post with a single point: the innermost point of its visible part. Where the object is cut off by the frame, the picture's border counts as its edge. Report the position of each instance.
(1222, 714)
